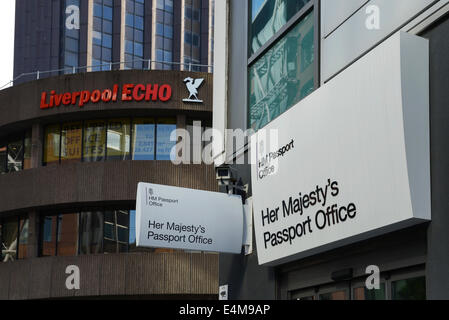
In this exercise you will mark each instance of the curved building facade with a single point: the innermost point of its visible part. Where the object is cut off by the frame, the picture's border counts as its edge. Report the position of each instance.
(72, 150)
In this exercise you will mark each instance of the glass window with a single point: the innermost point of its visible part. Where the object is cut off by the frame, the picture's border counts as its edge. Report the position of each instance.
(91, 232)
(283, 75)
(268, 17)
(26, 151)
(71, 142)
(52, 143)
(363, 293)
(67, 235)
(143, 139)
(107, 41)
(94, 141)
(107, 12)
(3, 158)
(48, 239)
(336, 295)
(409, 289)
(23, 237)
(97, 10)
(129, 20)
(116, 235)
(119, 138)
(15, 155)
(9, 239)
(164, 145)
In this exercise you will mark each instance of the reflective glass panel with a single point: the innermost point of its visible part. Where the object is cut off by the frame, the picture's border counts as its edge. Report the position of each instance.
(143, 139)
(26, 151)
(68, 234)
(15, 155)
(283, 75)
(51, 144)
(71, 142)
(409, 289)
(116, 225)
(363, 293)
(23, 237)
(336, 295)
(48, 235)
(119, 136)
(3, 158)
(9, 239)
(164, 145)
(268, 17)
(91, 232)
(94, 141)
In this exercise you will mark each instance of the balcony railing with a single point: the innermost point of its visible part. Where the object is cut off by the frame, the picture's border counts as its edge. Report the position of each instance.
(146, 65)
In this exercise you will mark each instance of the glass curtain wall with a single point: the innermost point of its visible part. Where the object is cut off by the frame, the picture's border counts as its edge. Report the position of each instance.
(192, 34)
(284, 73)
(71, 38)
(102, 35)
(163, 29)
(15, 153)
(134, 29)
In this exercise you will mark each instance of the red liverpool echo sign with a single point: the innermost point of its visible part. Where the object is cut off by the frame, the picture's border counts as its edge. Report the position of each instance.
(130, 92)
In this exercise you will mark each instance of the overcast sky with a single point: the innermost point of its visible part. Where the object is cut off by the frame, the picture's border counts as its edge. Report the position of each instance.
(6, 40)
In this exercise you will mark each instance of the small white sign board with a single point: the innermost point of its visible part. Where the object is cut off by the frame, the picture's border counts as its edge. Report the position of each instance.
(180, 218)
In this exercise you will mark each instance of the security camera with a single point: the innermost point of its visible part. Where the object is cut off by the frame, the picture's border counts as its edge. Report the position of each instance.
(224, 175)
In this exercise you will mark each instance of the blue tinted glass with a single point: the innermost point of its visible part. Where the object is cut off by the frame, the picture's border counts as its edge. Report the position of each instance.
(107, 12)
(96, 52)
(138, 22)
(129, 20)
(96, 37)
(144, 142)
(71, 59)
(96, 65)
(168, 56)
(139, 9)
(159, 29)
(138, 49)
(168, 31)
(71, 44)
(188, 37)
(106, 55)
(47, 229)
(138, 35)
(107, 26)
(107, 41)
(97, 10)
(128, 46)
(132, 227)
(164, 144)
(72, 33)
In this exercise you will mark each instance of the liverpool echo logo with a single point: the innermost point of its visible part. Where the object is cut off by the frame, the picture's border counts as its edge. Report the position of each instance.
(193, 86)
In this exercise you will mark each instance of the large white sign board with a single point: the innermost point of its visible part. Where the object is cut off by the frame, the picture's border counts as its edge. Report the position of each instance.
(352, 159)
(180, 218)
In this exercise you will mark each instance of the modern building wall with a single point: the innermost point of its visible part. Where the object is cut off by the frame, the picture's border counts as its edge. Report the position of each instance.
(68, 195)
(417, 252)
(126, 34)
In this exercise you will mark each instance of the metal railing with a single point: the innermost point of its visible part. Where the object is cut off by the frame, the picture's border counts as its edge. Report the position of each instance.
(151, 65)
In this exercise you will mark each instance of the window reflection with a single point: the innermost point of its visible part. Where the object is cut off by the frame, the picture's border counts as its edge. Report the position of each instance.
(48, 243)
(409, 289)
(336, 295)
(27, 151)
(23, 237)
(9, 245)
(283, 75)
(67, 244)
(165, 127)
(3, 158)
(15, 156)
(94, 141)
(91, 232)
(119, 133)
(143, 142)
(71, 141)
(52, 144)
(116, 229)
(363, 293)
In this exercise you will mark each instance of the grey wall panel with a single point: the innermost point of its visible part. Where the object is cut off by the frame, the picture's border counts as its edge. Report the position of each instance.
(352, 38)
(334, 12)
